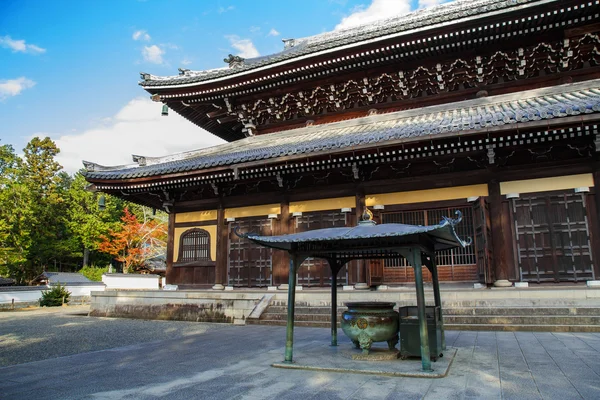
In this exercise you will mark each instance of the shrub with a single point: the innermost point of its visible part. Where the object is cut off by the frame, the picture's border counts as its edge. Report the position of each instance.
(54, 297)
(93, 273)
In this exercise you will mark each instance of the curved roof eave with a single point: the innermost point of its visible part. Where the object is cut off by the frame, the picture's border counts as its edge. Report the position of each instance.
(247, 71)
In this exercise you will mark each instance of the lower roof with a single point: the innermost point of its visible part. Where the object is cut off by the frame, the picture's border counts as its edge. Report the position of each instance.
(409, 125)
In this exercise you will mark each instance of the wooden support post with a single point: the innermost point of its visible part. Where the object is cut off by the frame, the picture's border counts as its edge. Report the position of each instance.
(170, 274)
(595, 226)
(497, 227)
(335, 267)
(333, 308)
(281, 259)
(289, 334)
(436, 294)
(424, 333)
(222, 244)
(361, 265)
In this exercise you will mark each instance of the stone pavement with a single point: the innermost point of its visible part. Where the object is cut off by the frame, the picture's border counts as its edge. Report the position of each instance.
(234, 362)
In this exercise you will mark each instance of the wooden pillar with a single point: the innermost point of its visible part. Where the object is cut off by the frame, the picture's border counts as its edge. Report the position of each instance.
(437, 297)
(500, 259)
(289, 333)
(170, 274)
(595, 225)
(416, 262)
(361, 265)
(281, 259)
(222, 245)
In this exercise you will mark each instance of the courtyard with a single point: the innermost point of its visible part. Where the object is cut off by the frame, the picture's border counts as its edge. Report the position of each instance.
(64, 354)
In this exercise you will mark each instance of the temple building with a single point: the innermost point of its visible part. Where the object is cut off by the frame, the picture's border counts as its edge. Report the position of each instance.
(488, 107)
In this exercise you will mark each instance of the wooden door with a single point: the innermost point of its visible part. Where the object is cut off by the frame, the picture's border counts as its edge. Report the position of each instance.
(552, 237)
(316, 271)
(249, 264)
(482, 241)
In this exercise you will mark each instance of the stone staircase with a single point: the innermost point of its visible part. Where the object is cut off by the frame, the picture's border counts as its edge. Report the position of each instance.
(549, 316)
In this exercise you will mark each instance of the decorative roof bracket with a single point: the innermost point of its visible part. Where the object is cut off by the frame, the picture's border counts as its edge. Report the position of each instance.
(140, 160)
(234, 61)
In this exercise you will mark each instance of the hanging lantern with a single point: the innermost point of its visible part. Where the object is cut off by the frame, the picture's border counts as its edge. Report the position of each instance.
(102, 203)
(165, 110)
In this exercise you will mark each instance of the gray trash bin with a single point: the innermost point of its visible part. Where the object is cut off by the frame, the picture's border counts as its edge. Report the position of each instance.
(410, 335)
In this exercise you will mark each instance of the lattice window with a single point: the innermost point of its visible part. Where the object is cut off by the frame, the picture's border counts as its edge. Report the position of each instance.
(457, 256)
(194, 245)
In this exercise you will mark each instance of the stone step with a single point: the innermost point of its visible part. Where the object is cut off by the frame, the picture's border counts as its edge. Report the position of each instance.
(494, 318)
(526, 328)
(538, 311)
(303, 310)
(467, 319)
(475, 311)
(298, 317)
(456, 327)
(521, 320)
(279, 322)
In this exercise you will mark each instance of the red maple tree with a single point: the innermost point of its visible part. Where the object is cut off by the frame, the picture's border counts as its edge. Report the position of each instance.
(134, 242)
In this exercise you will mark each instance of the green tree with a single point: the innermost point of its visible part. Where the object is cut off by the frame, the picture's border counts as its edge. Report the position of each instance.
(34, 230)
(14, 237)
(87, 222)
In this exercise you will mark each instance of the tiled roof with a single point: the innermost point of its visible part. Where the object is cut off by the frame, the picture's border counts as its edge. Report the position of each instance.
(330, 40)
(64, 277)
(409, 125)
(442, 235)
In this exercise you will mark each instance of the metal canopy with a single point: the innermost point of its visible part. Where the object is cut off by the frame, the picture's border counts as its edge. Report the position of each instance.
(367, 240)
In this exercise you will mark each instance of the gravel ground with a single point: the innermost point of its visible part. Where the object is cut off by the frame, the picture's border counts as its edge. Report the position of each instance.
(43, 333)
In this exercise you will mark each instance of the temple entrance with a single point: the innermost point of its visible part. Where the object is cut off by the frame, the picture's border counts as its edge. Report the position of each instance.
(458, 264)
(250, 265)
(316, 272)
(552, 237)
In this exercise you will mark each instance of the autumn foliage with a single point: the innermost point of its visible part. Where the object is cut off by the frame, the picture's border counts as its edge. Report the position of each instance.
(134, 242)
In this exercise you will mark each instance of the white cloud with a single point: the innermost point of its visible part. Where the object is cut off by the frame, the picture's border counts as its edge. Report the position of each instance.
(254, 29)
(378, 9)
(381, 9)
(273, 32)
(138, 128)
(141, 35)
(19, 46)
(153, 54)
(431, 3)
(13, 87)
(186, 61)
(222, 10)
(245, 47)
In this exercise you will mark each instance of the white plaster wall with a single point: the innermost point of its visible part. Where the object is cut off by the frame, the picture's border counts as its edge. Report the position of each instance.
(131, 281)
(83, 290)
(21, 296)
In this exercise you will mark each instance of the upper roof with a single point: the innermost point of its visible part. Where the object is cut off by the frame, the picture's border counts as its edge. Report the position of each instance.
(294, 48)
(409, 125)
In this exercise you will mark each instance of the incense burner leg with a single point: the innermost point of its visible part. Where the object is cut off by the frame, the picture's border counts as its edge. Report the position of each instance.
(365, 342)
(392, 343)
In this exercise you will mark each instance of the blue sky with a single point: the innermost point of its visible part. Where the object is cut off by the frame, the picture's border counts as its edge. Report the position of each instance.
(69, 69)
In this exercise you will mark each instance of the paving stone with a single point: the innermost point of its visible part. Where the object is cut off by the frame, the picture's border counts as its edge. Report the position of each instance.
(234, 363)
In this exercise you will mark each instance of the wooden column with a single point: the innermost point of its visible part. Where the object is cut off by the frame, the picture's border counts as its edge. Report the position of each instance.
(361, 265)
(281, 259)
(222, 245)
(595, 225)
(295, 261)
(500, 259)
(170, 274)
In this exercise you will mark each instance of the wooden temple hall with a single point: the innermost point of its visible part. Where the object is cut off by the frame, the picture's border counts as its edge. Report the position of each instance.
(487, 107)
